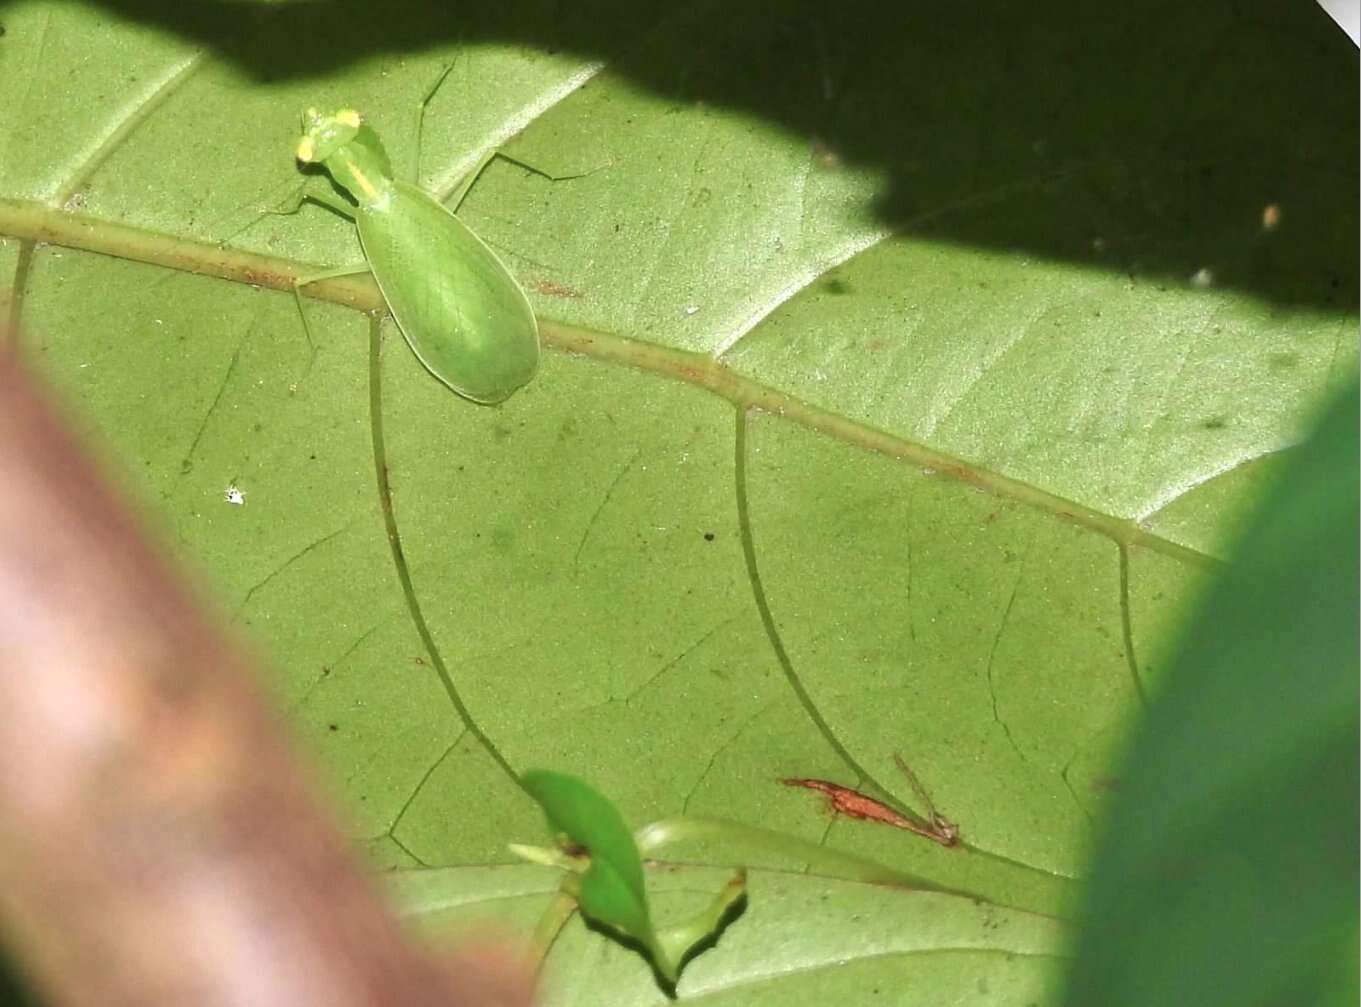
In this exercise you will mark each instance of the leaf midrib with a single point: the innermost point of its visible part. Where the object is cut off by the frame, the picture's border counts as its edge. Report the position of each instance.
(34, 222)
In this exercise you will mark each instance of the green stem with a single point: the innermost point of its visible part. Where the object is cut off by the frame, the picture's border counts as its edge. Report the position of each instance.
(653, 839)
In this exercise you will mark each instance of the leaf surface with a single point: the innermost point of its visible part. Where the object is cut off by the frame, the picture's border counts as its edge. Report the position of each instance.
(906, 373)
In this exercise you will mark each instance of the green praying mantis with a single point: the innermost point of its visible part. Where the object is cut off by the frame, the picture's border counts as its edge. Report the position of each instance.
(457, 305)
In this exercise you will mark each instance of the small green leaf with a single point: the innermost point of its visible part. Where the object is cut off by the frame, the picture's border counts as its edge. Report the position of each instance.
(612, 887)
(611, 890)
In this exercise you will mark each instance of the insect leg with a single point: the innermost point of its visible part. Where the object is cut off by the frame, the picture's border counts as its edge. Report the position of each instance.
(467, 182)
(420, 115)
(944, 831)
(302, 281)
(292, 203)
(456, 199)
(332, 203)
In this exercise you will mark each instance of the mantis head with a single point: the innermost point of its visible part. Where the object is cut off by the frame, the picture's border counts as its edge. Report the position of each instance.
(323, 135)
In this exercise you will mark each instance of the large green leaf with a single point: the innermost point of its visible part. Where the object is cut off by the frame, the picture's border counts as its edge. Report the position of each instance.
(802, 939)
(912, 366)
(1249, 754)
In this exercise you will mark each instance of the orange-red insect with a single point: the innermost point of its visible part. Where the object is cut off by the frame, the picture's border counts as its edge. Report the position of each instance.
(853, 804)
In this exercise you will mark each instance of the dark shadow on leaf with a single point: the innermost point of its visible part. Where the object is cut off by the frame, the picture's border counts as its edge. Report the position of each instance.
(730, 916)
(634, 945)
(1215, 141)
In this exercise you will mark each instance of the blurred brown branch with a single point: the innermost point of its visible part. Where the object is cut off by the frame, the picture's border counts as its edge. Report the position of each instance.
(158, 844)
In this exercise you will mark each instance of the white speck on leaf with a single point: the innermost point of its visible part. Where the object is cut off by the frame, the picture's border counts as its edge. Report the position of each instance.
(234, 496)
